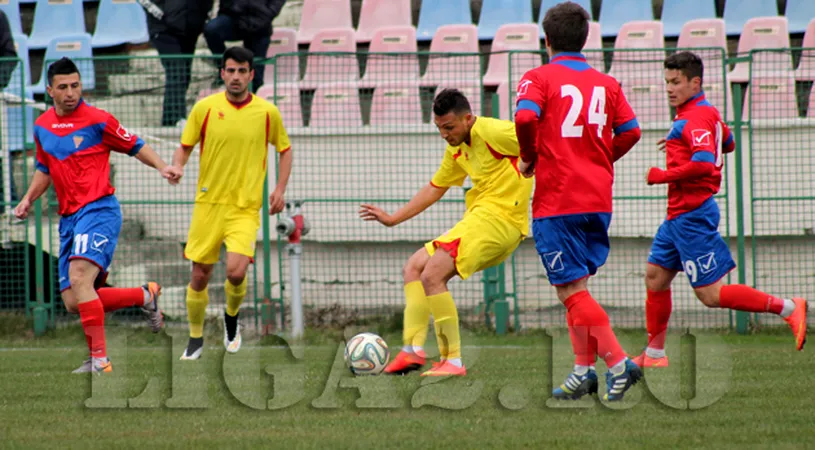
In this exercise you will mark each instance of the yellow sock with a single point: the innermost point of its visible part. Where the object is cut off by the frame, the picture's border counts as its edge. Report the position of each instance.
(445, 316)
(234, 296)
(417, 315)
(196, 310)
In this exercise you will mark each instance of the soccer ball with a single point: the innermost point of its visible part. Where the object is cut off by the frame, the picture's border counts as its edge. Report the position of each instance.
(366, 354)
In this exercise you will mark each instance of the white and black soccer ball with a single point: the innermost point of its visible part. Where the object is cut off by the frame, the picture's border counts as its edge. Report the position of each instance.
(366, 354)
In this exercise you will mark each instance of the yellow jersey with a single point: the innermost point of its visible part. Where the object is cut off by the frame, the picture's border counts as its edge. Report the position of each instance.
(491, 162)
(234, 142)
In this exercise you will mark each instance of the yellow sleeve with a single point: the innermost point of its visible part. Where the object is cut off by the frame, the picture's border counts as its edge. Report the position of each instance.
(501, 137)
(449, 173)
(277, 132)
(194, 125)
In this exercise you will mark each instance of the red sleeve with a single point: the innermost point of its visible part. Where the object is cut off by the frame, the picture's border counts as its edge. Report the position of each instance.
(687, 171)
(530, 107)
(625, 126)
(117, 138)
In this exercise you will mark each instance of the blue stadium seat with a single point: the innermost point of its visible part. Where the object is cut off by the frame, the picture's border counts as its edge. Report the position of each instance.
(436, 14)
(495, 13)
(76, 47)
(55, 20)
(675, 13)
(738, 12)
(12, 10)
(799, 13)
(546, 4)
(120, 22)
(614, 14)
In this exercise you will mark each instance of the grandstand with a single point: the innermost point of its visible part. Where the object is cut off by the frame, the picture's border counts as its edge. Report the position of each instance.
(354, 81)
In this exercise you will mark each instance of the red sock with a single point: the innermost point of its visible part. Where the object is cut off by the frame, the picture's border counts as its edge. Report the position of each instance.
(657, 313)
(583, 345)
(586, 312)
(115, 299)
(745, 298)
(92, 316)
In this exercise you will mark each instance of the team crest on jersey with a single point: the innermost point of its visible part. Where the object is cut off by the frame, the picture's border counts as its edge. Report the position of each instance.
(523, 88)
(123, 133)
(221, 115)
(700, 137)
(78, 141)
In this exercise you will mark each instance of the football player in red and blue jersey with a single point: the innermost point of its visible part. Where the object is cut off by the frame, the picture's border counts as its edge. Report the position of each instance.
(573, 123)
(689, 239)
(74, 141)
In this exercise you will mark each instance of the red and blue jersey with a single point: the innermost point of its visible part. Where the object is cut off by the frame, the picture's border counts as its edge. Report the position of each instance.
(75, 151)
(573, 122)
(694, 150)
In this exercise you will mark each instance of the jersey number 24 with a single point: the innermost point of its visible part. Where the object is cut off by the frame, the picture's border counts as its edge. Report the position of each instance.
(597, 111)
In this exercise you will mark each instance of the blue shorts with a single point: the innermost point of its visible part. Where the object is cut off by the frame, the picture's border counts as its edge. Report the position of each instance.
(91, 234)
(572, 247)
(692, 243)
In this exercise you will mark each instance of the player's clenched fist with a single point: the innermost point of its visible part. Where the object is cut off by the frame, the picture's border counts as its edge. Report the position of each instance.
(22, 209)
(371, 212)
(527, 169)
(276, 202)
(173, 174)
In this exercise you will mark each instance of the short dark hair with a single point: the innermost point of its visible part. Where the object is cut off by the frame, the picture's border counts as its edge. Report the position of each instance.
(62, 66)
(566, 26)
(239, 55)
(686, 62)
(451, 100)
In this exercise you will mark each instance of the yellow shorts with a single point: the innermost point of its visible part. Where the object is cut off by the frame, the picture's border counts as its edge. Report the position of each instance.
(215, 224)
(479, 241)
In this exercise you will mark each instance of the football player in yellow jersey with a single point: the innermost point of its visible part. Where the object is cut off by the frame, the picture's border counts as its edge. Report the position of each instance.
(233, 130)
(495, 222)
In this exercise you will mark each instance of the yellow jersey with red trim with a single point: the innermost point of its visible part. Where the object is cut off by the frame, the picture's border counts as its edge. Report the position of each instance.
(234, 140)
(491, 161)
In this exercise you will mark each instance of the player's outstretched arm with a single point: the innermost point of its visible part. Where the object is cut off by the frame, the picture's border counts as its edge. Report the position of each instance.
(276, 202)
(39, 184)
(150, 158)
(421, 201)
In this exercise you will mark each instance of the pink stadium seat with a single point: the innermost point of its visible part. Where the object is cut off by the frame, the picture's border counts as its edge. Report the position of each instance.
(639, 34)
(453, 39)
(336, 106)
(706, 33)
(806, 68)
(320, 14)
(648, 99)
(204, 93)
(763, 32)
(506, 101)
(392, 68)
(284, 40)
(396, 105)
(326, 69)
(513, 37)
(594, 41)
(287, 101)
(715, 94)
(376, 14)
(471, 90)
(770, 98)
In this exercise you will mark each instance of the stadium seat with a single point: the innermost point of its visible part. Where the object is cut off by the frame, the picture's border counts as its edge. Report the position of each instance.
(53, 19)
(703, 35)
(396, 105)
(635, 63)
(442, 68)
(738, 12)
(799, 13)
(715, 94)
(496, 13)
(546, 4)
(376, 14)
(287, 101)
(383, 68)
(340, 67)
(16, 114)
(434, 15)
(286, 68)
(506, 101)
(21, 75)
(12, 10)
(321, 14)
(648, 99)
(76, 47)
(613, 15)
(120, 22)
(594, 43)
(336, 106)
(770, 98)
(512, 37)
(676, 13)
(471, 90)
(806, 67)
(759, 33)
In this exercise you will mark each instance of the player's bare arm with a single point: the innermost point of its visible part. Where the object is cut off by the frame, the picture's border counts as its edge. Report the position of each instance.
(426, 196)
(180, 158)
(39, 184)
(148, 156)
(276, 202)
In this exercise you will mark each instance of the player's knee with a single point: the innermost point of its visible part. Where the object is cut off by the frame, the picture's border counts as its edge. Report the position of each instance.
(80, 278)
(411, 271)
(236, 276)
(200, 277)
